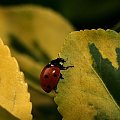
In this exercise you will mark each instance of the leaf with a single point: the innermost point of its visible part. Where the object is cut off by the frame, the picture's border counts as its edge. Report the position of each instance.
(37, 25)
(83, 95)
(14, 96)
(5, 115)
(35, 36)
(109, 74)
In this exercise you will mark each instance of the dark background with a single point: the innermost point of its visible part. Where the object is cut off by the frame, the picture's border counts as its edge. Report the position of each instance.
(83, 14)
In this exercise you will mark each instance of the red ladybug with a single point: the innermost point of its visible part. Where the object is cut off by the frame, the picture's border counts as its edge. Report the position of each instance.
(50, 75)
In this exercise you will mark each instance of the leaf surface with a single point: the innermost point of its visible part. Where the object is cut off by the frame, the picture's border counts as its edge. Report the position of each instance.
(83, 94)
(35, 36)
(14, 96)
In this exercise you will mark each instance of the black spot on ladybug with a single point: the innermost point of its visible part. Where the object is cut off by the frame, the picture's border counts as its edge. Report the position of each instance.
(48, 87)
(46, 76)
(55, 75)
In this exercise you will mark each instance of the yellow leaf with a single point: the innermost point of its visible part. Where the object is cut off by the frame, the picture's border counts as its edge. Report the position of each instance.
(82, 94)
(34, 24)
(14, 95)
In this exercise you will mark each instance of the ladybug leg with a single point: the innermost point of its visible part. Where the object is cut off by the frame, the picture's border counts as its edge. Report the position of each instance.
(61, 77)
(55, 89)
(65, 68)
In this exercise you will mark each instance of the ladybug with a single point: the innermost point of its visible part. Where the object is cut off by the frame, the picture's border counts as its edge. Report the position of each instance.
(50, 74)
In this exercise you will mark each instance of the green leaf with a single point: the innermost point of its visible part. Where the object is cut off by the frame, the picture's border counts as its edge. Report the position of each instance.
(5, 115)
(84, 94)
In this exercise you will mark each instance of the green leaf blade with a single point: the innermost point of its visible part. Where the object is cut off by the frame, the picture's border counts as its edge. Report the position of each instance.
(82, 95)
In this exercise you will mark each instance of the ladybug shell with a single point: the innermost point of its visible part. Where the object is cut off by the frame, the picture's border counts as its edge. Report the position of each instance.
(49, 78)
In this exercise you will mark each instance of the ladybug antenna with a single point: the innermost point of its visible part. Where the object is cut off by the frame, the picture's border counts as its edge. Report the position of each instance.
(58, 55)
(61, 59)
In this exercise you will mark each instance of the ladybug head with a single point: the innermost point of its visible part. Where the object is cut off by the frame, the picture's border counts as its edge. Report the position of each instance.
(58, 62)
